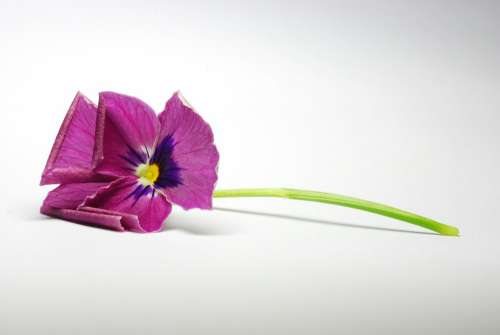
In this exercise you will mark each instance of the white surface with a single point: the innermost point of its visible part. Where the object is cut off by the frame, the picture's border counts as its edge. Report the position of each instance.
(396, 102)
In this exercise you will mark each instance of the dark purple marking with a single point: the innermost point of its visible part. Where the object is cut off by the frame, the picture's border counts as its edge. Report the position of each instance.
(138, 192)
(134, 158)
(170, 171)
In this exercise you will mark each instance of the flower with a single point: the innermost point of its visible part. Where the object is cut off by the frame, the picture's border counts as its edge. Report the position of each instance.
(122, 167)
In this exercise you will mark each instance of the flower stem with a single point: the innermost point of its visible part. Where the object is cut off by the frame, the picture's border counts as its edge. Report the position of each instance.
(340, 200)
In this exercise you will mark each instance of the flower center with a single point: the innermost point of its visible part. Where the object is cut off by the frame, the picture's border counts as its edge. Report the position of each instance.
(148, 173)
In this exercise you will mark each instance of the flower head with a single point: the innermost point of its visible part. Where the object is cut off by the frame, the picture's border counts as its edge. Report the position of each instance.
(121, 166)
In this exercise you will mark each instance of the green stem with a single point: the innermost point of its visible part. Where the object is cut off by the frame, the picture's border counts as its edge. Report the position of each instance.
(340, 200)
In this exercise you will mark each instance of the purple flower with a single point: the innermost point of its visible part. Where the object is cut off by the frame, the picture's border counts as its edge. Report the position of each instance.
(121, 167)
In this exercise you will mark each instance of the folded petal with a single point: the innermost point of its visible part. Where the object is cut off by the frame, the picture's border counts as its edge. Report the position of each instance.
(193, 152)
(130, 131)
(63, 201)
(128, 221)
(70, 196)
(127, 195)
(102, 220)
(72, 156)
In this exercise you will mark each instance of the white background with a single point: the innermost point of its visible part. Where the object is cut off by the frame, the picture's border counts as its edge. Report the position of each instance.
(391, 101)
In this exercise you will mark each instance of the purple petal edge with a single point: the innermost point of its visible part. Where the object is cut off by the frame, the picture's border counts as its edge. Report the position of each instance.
(194, 151)
(102, 220)
(129, 221)
(66, 201)
(72, 157)
(150, 209)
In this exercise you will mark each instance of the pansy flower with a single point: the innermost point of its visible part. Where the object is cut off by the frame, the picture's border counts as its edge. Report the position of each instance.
(122, 167)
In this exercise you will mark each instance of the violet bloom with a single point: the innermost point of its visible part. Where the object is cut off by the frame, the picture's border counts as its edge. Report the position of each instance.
(122, 167)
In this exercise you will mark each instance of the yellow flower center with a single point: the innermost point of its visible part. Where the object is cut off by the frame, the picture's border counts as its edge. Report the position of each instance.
(147, 173)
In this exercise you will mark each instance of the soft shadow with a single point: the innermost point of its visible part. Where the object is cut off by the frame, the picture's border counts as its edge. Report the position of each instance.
(194, 228)
(203, 229)
(26, 211)
(40, 217)
(170, 225)
(304, 219)
(57, 220)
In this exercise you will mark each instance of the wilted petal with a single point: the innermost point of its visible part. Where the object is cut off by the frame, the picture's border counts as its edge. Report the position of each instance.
(129, 221)
(113, 222)
(130, 132)
(70, 196)
(72, 156)
(193, 151)
(63, 201)
(128, 195)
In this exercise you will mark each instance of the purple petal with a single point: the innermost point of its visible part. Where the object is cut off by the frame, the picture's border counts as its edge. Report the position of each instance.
(102, 220)
(188, 128)
(130, 132)
(63, 201)
(119, 159)
(169, 170)
(128, 221)
(70, 196)
(128, 195)
(72, 156)
(193, 151)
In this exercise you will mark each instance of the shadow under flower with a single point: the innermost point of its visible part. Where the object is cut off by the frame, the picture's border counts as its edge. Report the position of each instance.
(304, 219)
(202, 229)
(195, 228)
(179, 225)
(57, 220)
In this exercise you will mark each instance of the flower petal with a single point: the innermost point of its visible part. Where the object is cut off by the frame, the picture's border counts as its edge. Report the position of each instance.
(193, 151)
(72, 156)
(128, 195)
(128, 221)
(113, 222)
(63, 201)
(70, 196)
(130, 131)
